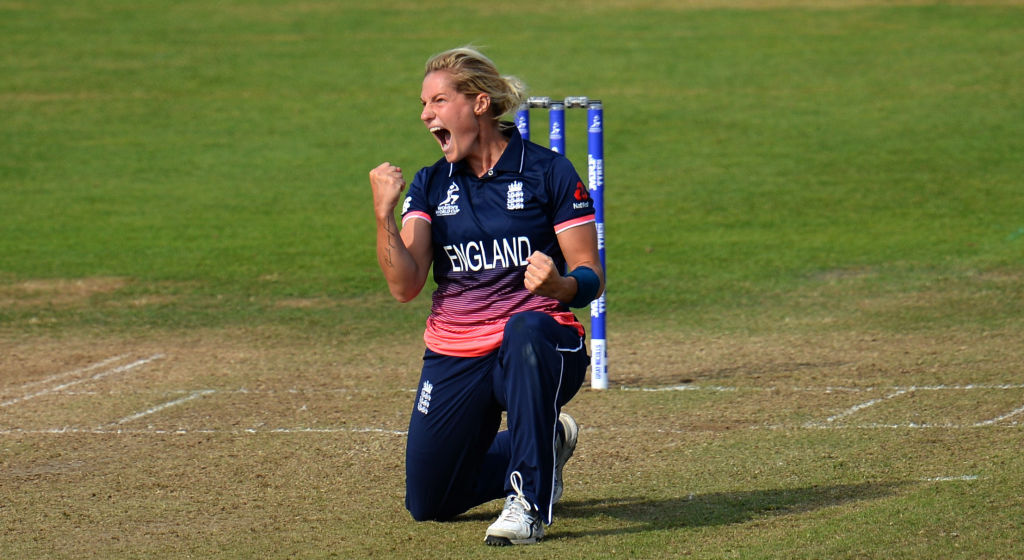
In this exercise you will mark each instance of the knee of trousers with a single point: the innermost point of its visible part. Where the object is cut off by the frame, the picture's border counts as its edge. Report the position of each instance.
(424, 510)
(420, 513)
(422, 499)
(524, 337)
(528, 327)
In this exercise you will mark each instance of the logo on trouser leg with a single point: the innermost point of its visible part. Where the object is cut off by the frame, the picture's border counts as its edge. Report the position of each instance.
(424, 402)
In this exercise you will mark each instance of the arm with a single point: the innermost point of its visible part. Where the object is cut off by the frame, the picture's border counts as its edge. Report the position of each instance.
(579, 245)
(404, 257)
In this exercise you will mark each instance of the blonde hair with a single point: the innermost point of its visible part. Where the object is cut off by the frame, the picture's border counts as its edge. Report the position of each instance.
(473, 73)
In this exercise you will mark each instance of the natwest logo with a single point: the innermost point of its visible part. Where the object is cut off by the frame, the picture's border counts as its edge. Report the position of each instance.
(582, 196)
(581, 192)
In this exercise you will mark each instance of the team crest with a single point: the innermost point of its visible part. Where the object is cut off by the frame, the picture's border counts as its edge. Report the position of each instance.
(515, 196)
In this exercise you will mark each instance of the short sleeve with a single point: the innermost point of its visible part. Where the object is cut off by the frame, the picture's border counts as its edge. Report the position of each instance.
(415, 204)
(571, 202)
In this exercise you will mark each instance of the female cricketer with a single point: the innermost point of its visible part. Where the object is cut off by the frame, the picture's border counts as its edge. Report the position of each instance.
(508, 227)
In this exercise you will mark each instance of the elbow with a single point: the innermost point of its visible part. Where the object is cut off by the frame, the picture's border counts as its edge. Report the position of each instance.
(403, 298)
(404, 294)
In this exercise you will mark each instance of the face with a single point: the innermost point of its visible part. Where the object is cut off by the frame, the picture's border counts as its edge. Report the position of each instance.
(452, 117)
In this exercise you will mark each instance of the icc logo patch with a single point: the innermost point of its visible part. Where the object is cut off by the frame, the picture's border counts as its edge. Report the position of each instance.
(449, 206)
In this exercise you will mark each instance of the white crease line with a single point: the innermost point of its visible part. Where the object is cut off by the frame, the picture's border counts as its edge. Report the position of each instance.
(967, 477)
(679, 388)
(112, 430)
(159, 407)
(881, 426)
(333, 431)
(1010, 414)
(85, 369)
(100, 375)
(308, 391)
(968, 387)
(826, 389)
(857, 408)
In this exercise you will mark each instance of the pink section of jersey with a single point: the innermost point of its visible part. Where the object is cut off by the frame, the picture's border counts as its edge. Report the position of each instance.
(481, 338)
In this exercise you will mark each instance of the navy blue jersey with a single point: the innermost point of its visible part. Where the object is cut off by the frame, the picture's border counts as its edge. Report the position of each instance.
(483, 229)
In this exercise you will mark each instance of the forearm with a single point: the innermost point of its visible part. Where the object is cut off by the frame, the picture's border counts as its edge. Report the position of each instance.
(562, 288)
(579, 287)
(396, 262)
(585, 279)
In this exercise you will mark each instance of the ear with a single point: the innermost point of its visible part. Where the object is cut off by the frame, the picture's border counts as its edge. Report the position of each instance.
(482, 104)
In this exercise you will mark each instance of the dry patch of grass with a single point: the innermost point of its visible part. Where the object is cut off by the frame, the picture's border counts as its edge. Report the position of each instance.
(682, 5)
(58, 292)
(257, 443)
(855, 359)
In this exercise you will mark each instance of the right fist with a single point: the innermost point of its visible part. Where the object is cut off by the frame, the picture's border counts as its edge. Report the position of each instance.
(387, 183)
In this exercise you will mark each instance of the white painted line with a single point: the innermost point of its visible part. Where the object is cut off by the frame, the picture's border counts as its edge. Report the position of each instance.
(1005, 421)
(826, 389)
(967, 477)
(857, 408)
(880, 426)
(309, 391)
(159, 407)
(679, 388)
(335, 431)
(1010, 414)
(100, 375)
(968, 387)
(112, 430)
(78, 371)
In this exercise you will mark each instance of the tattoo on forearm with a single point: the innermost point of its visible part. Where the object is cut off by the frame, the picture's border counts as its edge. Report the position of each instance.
(392, 234)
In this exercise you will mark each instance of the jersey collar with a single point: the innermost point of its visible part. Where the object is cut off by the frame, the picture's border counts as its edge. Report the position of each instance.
(512, 159)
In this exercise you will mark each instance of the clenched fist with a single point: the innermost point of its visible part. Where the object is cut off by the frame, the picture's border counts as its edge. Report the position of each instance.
(387, 183)
(544, 279)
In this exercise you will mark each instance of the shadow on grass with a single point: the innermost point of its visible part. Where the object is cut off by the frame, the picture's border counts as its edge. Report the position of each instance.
(720, 508)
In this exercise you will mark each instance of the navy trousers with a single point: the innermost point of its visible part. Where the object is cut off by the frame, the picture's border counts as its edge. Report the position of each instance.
(456, 458)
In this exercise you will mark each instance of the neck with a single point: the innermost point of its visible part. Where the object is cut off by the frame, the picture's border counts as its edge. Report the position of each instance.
(492, 144)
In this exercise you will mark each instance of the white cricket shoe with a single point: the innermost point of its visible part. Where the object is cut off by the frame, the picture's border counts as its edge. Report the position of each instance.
(564, 448)
(519, 522)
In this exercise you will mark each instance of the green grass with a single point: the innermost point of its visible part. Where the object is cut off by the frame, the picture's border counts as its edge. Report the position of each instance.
(831, 174)
(216, 146)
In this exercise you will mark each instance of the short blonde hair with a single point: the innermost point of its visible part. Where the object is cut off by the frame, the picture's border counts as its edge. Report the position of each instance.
(473, 73)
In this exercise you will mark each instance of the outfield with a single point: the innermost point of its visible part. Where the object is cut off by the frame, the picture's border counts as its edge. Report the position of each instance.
(816, 290)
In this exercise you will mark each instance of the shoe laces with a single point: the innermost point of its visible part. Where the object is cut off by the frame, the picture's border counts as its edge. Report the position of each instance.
(516, 506)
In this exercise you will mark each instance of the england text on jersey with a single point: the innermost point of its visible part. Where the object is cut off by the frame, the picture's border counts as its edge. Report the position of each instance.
(479, 255)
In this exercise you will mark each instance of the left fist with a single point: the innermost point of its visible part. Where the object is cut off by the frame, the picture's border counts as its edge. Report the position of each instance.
(543, 277)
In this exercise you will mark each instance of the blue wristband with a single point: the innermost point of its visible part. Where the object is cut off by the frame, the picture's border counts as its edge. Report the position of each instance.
(587, 285)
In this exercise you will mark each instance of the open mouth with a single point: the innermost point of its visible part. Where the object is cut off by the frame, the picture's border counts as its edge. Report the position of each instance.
(444, 137)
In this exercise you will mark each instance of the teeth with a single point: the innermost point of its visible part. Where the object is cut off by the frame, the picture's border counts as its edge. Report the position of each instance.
(442, 134)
